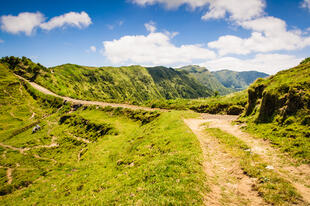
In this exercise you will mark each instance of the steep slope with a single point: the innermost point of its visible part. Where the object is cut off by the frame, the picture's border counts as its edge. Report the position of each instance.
(117, 155)
(174, 84)
(134, 84)
(237, 80)
(279, 109)
(207, 78)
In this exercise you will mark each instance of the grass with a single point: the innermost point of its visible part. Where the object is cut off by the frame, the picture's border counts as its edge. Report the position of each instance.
(274, 189)
(230, 104)
(143, 164)
(136, 157)
(279, 110)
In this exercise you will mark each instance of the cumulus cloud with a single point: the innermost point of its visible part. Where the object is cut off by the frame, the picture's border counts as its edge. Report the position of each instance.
(236, 9)
(27, 22)
(150, 26)
(268, 63)
(153, 49)
(73, 19)
(24, 22)
(306, 4)
(268, 34)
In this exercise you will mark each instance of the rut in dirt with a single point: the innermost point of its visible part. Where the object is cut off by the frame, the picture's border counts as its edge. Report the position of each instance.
(298, 176)
(228, 184)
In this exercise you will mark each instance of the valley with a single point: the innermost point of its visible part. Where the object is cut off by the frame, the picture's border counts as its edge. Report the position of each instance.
(151, 136)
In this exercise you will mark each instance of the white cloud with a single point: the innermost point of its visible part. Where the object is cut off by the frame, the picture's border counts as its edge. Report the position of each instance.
(268, 34)
(1, 41)
(236, 9)
(24, 22)
(306, 4)
(150, 26)
(92, 48)
(73, 19)
(153, 49)
(268, 63)
(27, 22)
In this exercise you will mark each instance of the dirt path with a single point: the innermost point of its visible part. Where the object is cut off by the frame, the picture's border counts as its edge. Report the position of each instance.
(282, 164)
(229, 186)
(84, 102)
(9, 172)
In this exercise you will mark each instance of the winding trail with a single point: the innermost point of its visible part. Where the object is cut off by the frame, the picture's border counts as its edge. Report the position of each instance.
(229, 186)
(84, 102)
(298, 176)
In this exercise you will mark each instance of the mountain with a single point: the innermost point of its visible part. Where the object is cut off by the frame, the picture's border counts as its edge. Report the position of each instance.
(238, 80)
(133, 84)
(223, 81)
(206, 77)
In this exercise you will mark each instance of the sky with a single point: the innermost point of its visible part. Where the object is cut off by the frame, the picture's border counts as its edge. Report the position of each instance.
(241, 35)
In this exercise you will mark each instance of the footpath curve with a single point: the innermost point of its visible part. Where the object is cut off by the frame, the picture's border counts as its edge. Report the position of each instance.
(86, 102)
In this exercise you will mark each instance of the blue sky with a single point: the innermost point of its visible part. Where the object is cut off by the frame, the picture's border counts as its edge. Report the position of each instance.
(240, 35)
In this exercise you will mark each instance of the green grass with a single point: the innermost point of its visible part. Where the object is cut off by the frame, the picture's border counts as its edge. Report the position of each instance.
(230, 104)
(274, 189)
(155, 163)
(279, 110)
(136, 157)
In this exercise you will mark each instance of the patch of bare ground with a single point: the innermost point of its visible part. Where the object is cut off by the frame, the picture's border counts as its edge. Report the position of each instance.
(229, 186)
(298, 176)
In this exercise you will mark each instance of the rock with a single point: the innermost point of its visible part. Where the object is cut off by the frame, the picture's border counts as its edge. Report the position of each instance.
(36, 128)
(269, 167)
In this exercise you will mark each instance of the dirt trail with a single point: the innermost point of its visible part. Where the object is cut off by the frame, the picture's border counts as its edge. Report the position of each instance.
(9, 175)
(84, 102)
(299, 176)
(228, 183)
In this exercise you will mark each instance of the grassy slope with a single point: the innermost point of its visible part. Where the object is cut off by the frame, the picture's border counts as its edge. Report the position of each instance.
(237, 80)
(206, 78)
(279, 110)
(230, 104)
(152, 163)
(133, 84)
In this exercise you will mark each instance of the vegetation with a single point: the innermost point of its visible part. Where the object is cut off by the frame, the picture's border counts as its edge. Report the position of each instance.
(89, 155)
(237, 80)
(207, 78)
(279, 108)
(233, 104)
(133, 84)
(274, 189)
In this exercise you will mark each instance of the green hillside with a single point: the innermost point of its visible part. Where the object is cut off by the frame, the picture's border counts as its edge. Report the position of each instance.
(93, 156)
(207, 78)
(237, 80)
(133, 84)
(279, 109)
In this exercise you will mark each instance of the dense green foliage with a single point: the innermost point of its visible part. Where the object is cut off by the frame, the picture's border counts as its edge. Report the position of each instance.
(279, 109)
(237, 80)
(207, 78)
(133, 84)
(133, 157)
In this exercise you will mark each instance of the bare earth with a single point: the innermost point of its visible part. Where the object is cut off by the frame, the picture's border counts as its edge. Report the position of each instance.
(84, 102)
(299, 176)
